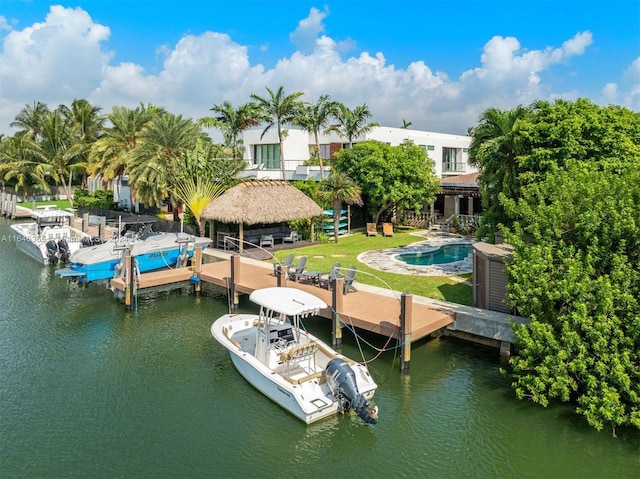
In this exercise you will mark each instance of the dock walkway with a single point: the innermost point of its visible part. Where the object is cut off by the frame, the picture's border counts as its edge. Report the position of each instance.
(362, 309)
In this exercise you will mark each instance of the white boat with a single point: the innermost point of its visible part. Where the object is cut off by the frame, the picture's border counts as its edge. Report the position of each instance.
(50, 238)
(291, 366)
(150, 250)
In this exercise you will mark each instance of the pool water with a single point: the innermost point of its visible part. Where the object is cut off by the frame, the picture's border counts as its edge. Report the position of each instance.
(445, 254)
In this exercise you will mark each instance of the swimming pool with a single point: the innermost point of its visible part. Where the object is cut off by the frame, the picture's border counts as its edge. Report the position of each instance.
(444, 254)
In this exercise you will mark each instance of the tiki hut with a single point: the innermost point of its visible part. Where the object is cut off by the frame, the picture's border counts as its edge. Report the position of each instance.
(265, 201)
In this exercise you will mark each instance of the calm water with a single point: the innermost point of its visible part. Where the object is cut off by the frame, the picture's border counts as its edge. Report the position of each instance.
(88, 390)
(444, 254)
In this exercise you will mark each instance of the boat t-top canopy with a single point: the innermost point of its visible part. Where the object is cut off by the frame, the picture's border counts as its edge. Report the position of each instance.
(50, 212)
(288, 301)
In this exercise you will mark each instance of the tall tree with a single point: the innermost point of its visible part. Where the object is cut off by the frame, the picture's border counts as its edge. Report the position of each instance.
(400, 177)
(29, 120)
(493, 151)
(86, 124)
(21, 166)
(353, 122)
(153, 164)
(110, 154)
(314, 118)
(338, 188)
(55, 148)
(279, 109)
(233, 121)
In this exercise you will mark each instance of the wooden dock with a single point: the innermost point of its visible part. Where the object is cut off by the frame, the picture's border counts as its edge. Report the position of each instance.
(362, 309)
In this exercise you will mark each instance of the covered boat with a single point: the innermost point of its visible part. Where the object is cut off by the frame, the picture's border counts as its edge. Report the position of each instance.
(149, 249)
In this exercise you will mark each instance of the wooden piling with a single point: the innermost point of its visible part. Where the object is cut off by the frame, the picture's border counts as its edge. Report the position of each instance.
(235, 276)
(197, 269)
(85, 222)
(337, 305)
(406, 316)
(128, 281)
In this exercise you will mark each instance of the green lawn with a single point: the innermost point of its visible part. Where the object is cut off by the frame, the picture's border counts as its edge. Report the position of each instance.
(62, 204)
(322, 256)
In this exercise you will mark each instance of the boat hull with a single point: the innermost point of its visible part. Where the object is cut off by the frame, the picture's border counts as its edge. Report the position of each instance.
(103, 262)
(34, 244)
(309, 401)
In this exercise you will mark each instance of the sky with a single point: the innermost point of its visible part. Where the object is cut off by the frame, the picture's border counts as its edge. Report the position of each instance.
(436, 64)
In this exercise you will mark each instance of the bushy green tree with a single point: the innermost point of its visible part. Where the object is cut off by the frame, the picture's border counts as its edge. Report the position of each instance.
(401, 177)
(576, 275)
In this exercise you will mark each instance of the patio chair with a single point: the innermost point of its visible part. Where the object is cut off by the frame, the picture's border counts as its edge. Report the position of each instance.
(372, 230)
(298, 269)
(387, 229)
(266, 240)
(348, 280)
(326, 280)
(286, 264)
(292, 237)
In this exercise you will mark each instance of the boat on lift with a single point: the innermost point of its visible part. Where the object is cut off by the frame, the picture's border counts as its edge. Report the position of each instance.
(50, 239)
(150, 251)
(298, 371)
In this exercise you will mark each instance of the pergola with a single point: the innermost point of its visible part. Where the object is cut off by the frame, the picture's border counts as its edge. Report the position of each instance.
(261, 201)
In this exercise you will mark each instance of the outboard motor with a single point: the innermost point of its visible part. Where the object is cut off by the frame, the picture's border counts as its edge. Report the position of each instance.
(63, 250)
(52, 251)
(95, 240)
(86, 242)
(342, 382)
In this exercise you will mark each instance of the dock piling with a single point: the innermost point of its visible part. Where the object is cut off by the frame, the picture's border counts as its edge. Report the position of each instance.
(128, 281)
(336, 300)
(406, 311)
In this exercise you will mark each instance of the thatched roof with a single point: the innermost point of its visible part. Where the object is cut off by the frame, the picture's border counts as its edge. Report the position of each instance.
(264, 201)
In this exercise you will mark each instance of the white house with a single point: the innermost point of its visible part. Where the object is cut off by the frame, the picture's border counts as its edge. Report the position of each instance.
(449, 152)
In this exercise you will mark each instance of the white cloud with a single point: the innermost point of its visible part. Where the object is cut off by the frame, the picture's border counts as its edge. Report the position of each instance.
(304, 37)
(65, 57)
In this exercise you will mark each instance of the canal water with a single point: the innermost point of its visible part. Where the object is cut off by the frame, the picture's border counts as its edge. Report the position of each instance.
(89, 390)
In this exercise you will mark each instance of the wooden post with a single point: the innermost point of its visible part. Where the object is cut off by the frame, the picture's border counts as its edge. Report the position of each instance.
(12, 205)
(406, 312)
(2, 202)
(85, 222)
(197, 269)
(235, 274)
(102, 228)
(336, 300)
(128, 281)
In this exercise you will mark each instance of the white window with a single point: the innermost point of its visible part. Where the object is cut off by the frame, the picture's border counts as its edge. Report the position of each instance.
(452, 160)
(267, 155)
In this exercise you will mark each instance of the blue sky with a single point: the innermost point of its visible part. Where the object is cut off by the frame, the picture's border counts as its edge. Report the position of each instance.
(437, 64)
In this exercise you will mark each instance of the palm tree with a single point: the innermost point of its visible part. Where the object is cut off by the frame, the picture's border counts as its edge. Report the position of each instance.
(492, 150)
(55, 148)
(154, 163)
(353, 122)
(19, 164)
(86, 124)
(233, 121)
(338, 189)
(110, 154)
(313, 118)
(29, 120)
(279, 109)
